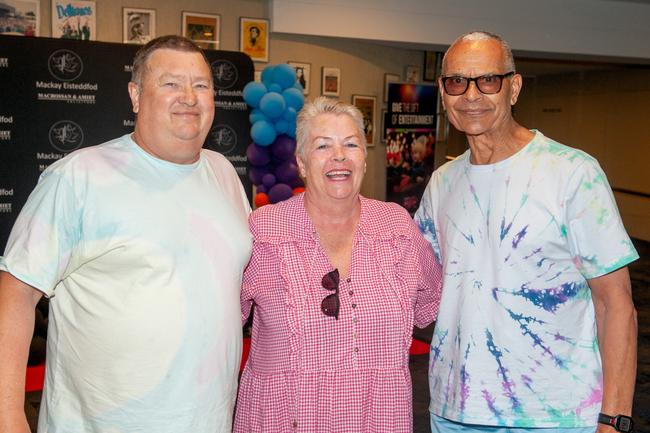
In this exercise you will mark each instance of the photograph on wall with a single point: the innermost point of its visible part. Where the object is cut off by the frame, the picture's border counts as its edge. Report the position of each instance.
(254, 38)
(331, 81)
(412, 74)
(204, 29)
(303, 74)
(410, 142)
(366, 104)
(74, 19)
(20, 17)
(138, 25)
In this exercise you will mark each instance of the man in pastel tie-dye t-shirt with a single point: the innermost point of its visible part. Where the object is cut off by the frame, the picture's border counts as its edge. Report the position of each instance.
(140, 244)
(537, 328)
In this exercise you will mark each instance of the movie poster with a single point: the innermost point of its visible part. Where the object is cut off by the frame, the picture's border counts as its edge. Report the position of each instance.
(74, 19)
(410, 141)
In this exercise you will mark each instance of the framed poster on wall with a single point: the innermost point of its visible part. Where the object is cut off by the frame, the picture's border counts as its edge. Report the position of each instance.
(204, 29)
(331, 81)
(25, 19)
(74, 19)
(254, 38)
(303, 74)
(367, 104)
(138, 25)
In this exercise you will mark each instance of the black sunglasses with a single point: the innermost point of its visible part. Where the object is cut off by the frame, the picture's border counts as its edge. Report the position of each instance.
(330, 304)
(455, 85)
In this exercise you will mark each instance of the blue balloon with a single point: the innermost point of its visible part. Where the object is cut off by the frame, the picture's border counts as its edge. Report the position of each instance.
(253, 92)
(275, 88)
(257, 115)
(263, 133)
(292, 130)
(284, 75)
(281, 126)
(294, 98)
(272, 104)
(267, 75)
(290, 113)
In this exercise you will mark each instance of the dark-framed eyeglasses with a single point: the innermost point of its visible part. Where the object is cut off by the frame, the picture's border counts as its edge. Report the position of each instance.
(330, 304)
(455, 85)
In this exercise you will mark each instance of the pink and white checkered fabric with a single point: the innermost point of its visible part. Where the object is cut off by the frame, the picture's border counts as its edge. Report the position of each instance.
(308, 372)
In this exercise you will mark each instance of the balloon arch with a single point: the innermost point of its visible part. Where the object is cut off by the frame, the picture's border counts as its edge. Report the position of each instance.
(275, 102)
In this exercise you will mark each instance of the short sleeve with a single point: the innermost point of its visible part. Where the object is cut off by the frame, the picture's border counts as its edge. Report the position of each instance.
(425, 222)
(598, 241)
(45, 233)
(429, 282)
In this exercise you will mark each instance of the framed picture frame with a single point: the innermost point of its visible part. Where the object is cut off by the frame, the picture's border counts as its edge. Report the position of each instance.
(25, 21)
(383, 121)
(80, 24)
(389, 78)
(367, 106)
(254, 38)
(331, 81)
(138, 25)
(303, 74)
(429, 68)
(412, 74)
(204, 29)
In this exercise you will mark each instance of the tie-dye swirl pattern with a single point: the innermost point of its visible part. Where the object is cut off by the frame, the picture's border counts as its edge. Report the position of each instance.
(515, 342)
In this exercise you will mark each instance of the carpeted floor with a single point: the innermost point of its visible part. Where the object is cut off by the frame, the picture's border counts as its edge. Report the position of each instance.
(640, 273)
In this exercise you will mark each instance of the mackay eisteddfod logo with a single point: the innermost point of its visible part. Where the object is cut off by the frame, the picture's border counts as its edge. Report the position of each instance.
(65, 65)
(222, 138)
(225, 74)
(66, 136)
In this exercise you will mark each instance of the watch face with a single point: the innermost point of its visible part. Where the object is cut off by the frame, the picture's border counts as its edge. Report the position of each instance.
(624, 424)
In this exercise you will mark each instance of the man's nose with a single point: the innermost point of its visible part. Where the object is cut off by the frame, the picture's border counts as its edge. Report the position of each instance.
(189, 96)
(472, 93)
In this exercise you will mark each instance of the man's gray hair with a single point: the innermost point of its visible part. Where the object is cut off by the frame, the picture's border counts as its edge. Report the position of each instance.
(509, 61)
(325, 105)
(170, 42)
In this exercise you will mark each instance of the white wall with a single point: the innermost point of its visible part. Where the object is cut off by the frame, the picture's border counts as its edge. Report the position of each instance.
(588, 27)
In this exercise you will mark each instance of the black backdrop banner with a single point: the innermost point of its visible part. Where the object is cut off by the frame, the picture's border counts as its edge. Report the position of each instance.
(59, 95)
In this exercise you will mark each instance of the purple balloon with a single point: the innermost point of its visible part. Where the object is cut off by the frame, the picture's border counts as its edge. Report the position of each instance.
(261, 188)
(286, 171)
(279, 192)
(283, 147)
(268, 180)
(257, 155)
(255, 174)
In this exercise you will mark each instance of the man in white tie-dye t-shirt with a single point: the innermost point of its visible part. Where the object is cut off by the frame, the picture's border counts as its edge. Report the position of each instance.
(140, 244)
(537, 328)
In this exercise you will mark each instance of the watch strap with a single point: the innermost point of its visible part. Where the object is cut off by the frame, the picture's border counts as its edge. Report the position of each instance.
(620, 423)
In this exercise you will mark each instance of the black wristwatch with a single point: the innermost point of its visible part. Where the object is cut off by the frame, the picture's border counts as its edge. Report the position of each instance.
(620, 423)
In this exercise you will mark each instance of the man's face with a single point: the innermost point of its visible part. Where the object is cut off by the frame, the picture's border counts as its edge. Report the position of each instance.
(175, 105)
(474, 112)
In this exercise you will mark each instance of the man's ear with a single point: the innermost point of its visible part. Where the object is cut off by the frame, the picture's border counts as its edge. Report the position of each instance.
(515, 88)
(134, 94)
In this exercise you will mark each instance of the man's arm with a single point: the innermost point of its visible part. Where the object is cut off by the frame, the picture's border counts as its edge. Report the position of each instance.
(17, 303)
(617, 336)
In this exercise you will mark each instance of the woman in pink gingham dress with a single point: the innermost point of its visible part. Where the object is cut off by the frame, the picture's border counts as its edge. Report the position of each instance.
(337, 281)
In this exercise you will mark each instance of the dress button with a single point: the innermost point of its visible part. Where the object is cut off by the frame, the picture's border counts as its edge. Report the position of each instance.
(295, 424)
(348, 280)
(351, 292)
(356, 349)
(354, 305)
(354, 320)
